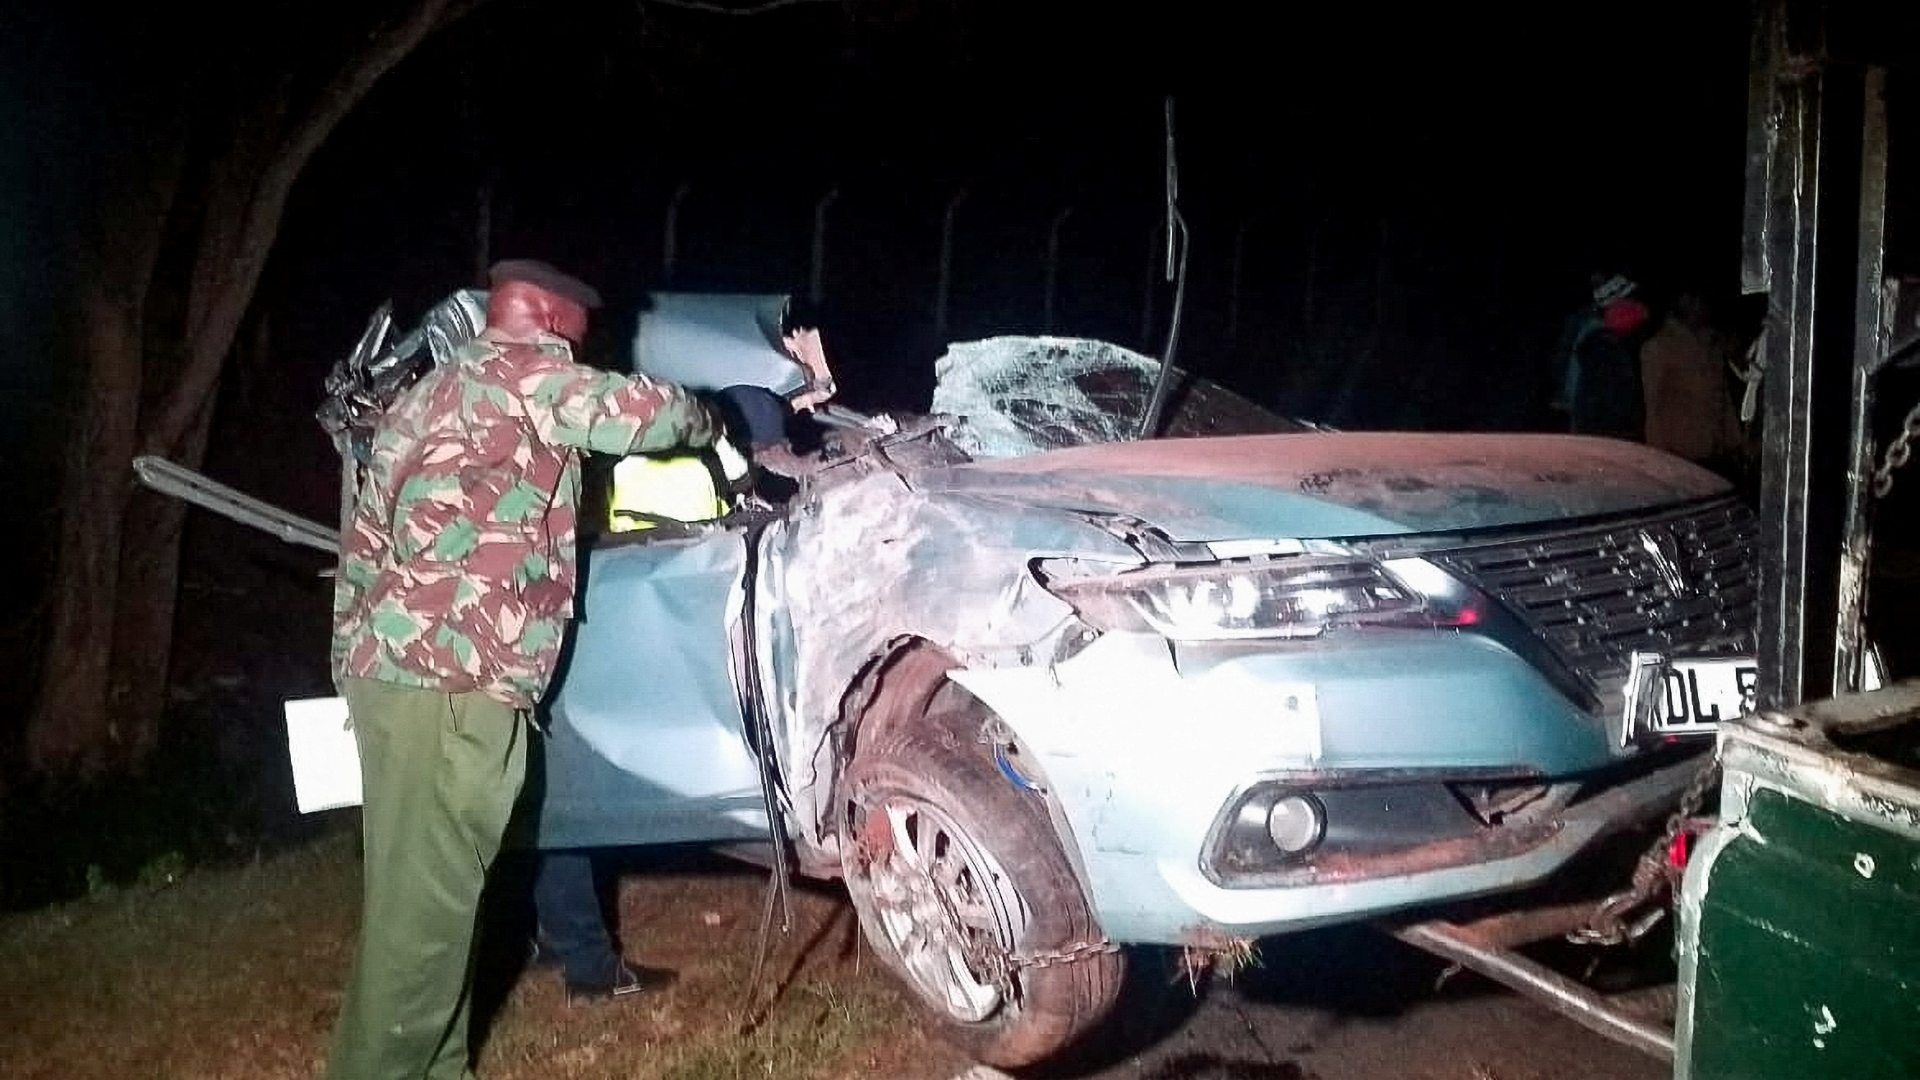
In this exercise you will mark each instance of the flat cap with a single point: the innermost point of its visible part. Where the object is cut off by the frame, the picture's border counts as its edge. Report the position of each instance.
(543, 275)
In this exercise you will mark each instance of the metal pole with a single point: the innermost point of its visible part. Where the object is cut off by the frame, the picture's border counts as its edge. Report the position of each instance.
(183, 483)
(1178, 242)
(944, 287)
(1874, 304)
(1807, 121)
(670, 232)
(817, 285)
(1566, 997)
(1790, 135)
(1053, 265)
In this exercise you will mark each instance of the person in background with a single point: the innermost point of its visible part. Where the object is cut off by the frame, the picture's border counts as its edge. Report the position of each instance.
(455, 587)
(572, 933)
(1690, 409)
(652, 492)
(1600, 389)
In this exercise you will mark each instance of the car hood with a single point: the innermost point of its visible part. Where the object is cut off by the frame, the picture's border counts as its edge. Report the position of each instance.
(1325, 485)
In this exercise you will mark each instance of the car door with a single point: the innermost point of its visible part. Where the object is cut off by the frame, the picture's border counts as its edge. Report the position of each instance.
(646, 738)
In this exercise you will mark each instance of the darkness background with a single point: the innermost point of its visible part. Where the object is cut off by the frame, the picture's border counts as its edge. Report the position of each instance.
(1434, 186)
(1422, 196)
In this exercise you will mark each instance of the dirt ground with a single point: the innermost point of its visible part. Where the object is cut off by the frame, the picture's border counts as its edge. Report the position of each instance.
(237, 973)
(1354, 1003)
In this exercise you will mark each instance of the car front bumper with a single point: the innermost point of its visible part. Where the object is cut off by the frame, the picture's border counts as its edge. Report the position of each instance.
(1145, 746)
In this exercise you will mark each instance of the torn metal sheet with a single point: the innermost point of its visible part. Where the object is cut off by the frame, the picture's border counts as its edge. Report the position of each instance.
(366, 381)
(871, 560)
(710, 341)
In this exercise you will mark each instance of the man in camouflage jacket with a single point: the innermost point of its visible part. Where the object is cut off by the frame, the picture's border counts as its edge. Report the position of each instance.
(456, 581)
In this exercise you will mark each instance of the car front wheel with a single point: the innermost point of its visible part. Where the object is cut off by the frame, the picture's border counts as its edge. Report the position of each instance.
(965, 893)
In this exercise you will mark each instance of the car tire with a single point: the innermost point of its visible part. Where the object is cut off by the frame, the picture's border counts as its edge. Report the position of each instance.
(952, 862)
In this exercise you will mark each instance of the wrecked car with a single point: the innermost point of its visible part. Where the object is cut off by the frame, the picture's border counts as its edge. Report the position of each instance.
(1036, 693)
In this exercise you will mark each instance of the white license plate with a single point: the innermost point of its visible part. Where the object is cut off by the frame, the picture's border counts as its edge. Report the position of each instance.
(1695, 695)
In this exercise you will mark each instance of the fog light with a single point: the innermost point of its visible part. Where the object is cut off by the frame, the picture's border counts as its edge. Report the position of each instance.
(1296, 823)
(1272, 828)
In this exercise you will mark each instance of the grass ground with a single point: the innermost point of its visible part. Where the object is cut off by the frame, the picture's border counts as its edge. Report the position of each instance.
(238, 972)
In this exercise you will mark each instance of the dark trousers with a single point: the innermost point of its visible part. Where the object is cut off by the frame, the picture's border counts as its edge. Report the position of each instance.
(566, 902)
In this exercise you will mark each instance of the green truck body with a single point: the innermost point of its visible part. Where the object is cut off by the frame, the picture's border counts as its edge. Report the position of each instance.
(1800, 913)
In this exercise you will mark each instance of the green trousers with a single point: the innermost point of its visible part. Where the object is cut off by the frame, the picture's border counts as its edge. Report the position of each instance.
(440, 773)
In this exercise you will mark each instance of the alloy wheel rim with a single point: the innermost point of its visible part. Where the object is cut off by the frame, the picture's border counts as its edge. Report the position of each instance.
(944, 904)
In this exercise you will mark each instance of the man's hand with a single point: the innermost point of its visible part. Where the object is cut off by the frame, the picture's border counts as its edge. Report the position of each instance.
(810, 399)
(805, 346)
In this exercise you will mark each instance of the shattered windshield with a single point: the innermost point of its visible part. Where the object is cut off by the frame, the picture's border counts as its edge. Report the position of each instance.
(1022, 395)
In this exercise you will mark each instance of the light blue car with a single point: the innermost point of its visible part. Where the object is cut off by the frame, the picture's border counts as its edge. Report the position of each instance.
(1037, 706)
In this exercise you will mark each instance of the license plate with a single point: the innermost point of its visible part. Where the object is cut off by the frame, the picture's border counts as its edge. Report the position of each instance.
(1695, 695)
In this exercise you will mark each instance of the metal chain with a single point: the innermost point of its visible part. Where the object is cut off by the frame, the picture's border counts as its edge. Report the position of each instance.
(1083, 950)
(998, 962)
(1609, 925)
(1898, 451)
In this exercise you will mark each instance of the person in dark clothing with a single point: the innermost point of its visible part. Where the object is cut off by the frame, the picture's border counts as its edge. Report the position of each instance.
(572, 932)
(1601, 391)
(572, 928)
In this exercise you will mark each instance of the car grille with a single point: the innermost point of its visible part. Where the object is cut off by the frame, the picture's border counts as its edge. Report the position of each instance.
(1679, 584)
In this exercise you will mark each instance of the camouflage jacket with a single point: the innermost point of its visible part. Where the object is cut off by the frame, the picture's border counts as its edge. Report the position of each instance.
(458, 572)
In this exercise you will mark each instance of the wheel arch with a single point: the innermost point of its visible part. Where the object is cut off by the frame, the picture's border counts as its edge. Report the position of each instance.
(898, 687)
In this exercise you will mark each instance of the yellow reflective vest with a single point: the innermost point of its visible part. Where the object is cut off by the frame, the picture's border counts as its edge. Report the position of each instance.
(656, 489)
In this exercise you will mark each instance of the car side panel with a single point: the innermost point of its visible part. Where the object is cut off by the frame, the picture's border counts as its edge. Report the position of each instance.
(648, 742)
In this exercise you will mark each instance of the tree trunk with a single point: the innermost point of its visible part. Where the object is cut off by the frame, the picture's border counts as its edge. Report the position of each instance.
(103, 683)
(72, 727)
(235, 246)
(149, 591)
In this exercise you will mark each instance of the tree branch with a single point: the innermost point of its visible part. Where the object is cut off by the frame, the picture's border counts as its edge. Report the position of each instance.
(231, 258)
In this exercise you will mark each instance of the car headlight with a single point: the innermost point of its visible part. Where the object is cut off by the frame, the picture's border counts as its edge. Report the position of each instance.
(1292, 597)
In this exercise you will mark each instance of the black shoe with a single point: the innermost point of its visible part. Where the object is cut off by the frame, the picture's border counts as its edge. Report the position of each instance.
(622, 981)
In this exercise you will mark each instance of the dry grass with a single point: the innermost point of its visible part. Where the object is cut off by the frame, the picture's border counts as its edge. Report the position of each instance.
(237, 973)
